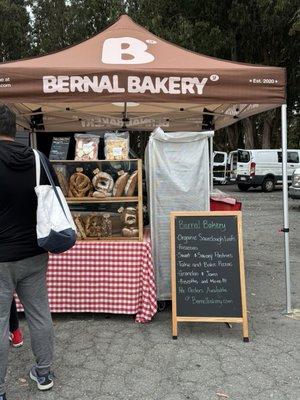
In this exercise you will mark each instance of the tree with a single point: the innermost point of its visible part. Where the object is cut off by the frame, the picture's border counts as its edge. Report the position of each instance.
(88, 17)
(14, 30)
(60, 23)
(256, 31)
(265, 32)
(50, 25)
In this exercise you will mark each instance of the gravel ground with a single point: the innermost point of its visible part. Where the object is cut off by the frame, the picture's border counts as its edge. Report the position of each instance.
(101, 358)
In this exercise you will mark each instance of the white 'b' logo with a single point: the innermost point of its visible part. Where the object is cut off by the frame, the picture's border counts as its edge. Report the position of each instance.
(125, 50)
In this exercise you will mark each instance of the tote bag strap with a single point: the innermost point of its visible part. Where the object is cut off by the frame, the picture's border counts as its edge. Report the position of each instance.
(37, 167)
(40, 159)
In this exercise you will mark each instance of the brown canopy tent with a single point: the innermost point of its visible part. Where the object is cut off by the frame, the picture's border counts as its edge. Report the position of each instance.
(86, 85)
(125, 75)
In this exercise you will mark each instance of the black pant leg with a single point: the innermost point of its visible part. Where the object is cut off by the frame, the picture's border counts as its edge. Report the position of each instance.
(13, 319)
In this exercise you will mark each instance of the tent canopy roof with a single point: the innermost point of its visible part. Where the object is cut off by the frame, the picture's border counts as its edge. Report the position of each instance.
(156, 82)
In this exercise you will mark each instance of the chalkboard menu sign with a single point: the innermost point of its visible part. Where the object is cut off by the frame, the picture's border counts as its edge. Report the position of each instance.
(208, 282)
(59, 148)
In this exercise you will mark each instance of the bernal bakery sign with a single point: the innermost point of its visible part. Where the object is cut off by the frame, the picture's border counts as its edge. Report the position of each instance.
(133, 84)
(132, 51)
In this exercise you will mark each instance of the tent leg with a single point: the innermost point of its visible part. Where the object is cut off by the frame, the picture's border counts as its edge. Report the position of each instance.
(211, 156)
(33, 140)
(285, 208)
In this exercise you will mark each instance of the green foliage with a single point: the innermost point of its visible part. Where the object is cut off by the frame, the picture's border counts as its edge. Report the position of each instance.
(60, 23)
(14, 30)
(255, 31)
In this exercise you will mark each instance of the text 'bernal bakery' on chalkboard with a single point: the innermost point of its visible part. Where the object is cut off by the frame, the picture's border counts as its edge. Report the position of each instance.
(208, 282)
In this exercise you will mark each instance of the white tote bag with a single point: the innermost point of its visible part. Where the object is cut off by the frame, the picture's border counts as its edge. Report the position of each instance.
(56, 231)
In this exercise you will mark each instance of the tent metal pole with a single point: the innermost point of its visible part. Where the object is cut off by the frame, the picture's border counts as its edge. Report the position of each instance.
(285, 229)
(33, 140)
(211, 149)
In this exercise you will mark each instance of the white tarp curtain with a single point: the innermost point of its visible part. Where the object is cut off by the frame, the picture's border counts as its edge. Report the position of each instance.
(177, 172)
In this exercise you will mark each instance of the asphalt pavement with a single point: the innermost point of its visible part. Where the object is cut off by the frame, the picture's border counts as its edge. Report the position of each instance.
(100, 357)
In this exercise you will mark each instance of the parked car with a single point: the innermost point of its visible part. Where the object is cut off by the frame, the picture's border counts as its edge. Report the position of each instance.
(264, 168)
(220, 167)
(294, 189)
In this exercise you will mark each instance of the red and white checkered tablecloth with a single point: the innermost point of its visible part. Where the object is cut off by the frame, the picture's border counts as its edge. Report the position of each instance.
(108, 277)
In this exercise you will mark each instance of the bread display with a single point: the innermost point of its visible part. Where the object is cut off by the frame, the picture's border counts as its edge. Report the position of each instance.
(94, 225)
(102, 196)
(80, 185)
(131, 184)
(120, 184)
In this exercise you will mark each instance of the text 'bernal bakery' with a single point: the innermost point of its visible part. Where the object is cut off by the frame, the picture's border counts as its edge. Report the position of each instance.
(135, 84)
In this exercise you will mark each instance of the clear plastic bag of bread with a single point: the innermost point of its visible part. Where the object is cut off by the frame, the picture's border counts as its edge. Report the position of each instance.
(116, 145)
(86, 147)
(61, 173)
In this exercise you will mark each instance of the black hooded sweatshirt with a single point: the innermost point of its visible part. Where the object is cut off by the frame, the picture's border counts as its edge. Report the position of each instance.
(18, 201)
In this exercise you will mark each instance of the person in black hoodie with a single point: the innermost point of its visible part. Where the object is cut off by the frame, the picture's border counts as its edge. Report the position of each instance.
(23, 264)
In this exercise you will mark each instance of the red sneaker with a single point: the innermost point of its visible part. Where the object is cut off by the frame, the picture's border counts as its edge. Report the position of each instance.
(16, 338)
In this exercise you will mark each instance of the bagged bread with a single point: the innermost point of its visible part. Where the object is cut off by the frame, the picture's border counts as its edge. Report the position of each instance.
(116, 146)
(86, 147)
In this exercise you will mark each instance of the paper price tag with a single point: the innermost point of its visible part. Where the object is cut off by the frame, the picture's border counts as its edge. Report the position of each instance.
(117, 151)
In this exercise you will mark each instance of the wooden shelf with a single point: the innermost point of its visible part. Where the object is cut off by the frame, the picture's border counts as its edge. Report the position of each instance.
(138, 199)
(95, 200)
(90, 161)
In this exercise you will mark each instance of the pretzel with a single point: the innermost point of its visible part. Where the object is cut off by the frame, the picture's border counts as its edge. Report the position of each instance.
(80, 184)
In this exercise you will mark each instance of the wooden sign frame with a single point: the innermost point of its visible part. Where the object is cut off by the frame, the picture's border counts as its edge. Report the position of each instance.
(240, 320)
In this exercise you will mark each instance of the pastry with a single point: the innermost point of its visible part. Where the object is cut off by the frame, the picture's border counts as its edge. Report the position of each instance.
(92, 226)
(80, 184)
(120, 184)
(130, 221)
(63, 183)
(103, 184)
(131, 184)
(86, 147)
(101, 195)
(106, 225)
(116, 146)
(80, 229)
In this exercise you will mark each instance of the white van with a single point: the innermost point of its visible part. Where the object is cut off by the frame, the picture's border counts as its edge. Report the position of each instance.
(264, 168)
(220, 167)
(232, 166)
